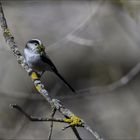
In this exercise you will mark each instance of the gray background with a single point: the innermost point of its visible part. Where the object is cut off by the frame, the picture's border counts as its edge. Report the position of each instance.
(92, 43)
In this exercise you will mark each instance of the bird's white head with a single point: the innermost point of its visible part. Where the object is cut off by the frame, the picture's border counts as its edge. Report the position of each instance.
(35, 45)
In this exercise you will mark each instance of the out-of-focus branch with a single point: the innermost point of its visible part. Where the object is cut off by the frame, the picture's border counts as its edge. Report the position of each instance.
(70, 36)
(70, 117)
(111, 87)
(82, 41)
(120, 83)
(125, 79)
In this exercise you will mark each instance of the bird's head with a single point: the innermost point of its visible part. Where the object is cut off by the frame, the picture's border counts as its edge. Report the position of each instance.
(35, 45)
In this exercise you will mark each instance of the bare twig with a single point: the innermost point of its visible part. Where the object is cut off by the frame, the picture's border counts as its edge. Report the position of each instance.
(70, 117)
(36, 119)
(51, 126)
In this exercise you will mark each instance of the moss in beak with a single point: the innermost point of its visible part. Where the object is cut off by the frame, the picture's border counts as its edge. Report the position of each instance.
(40, 49)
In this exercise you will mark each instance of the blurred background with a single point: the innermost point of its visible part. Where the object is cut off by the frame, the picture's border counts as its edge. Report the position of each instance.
(93, 44)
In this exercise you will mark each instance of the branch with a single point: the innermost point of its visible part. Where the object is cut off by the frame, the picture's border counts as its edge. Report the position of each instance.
(70, 117)
(123, 81)
(35, 119)
(118, 84)
(51, 126)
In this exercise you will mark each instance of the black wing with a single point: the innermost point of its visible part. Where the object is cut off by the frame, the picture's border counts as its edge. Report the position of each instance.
(46, 59)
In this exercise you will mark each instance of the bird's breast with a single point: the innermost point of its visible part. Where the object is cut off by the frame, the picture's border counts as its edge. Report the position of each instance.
(34, 61)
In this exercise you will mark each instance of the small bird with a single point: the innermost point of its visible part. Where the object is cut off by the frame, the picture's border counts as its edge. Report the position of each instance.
(39, 61)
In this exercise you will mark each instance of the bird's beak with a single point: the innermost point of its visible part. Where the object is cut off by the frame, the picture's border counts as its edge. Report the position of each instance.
(40, 49)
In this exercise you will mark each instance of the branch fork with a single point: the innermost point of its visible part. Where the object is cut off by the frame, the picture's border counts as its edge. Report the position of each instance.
(73, 121)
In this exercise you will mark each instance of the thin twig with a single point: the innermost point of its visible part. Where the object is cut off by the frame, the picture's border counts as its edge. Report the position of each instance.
(36, 119)
(51, 125)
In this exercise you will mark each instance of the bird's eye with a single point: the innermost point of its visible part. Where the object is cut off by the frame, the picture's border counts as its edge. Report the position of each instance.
(36, 44)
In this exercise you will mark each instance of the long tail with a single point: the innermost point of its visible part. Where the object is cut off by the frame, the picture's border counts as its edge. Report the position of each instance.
(65, 81)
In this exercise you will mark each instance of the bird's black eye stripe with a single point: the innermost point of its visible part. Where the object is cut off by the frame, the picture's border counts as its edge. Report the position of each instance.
(34, 42)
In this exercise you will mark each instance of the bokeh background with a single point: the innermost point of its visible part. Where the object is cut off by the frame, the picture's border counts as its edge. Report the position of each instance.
(93, 44)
